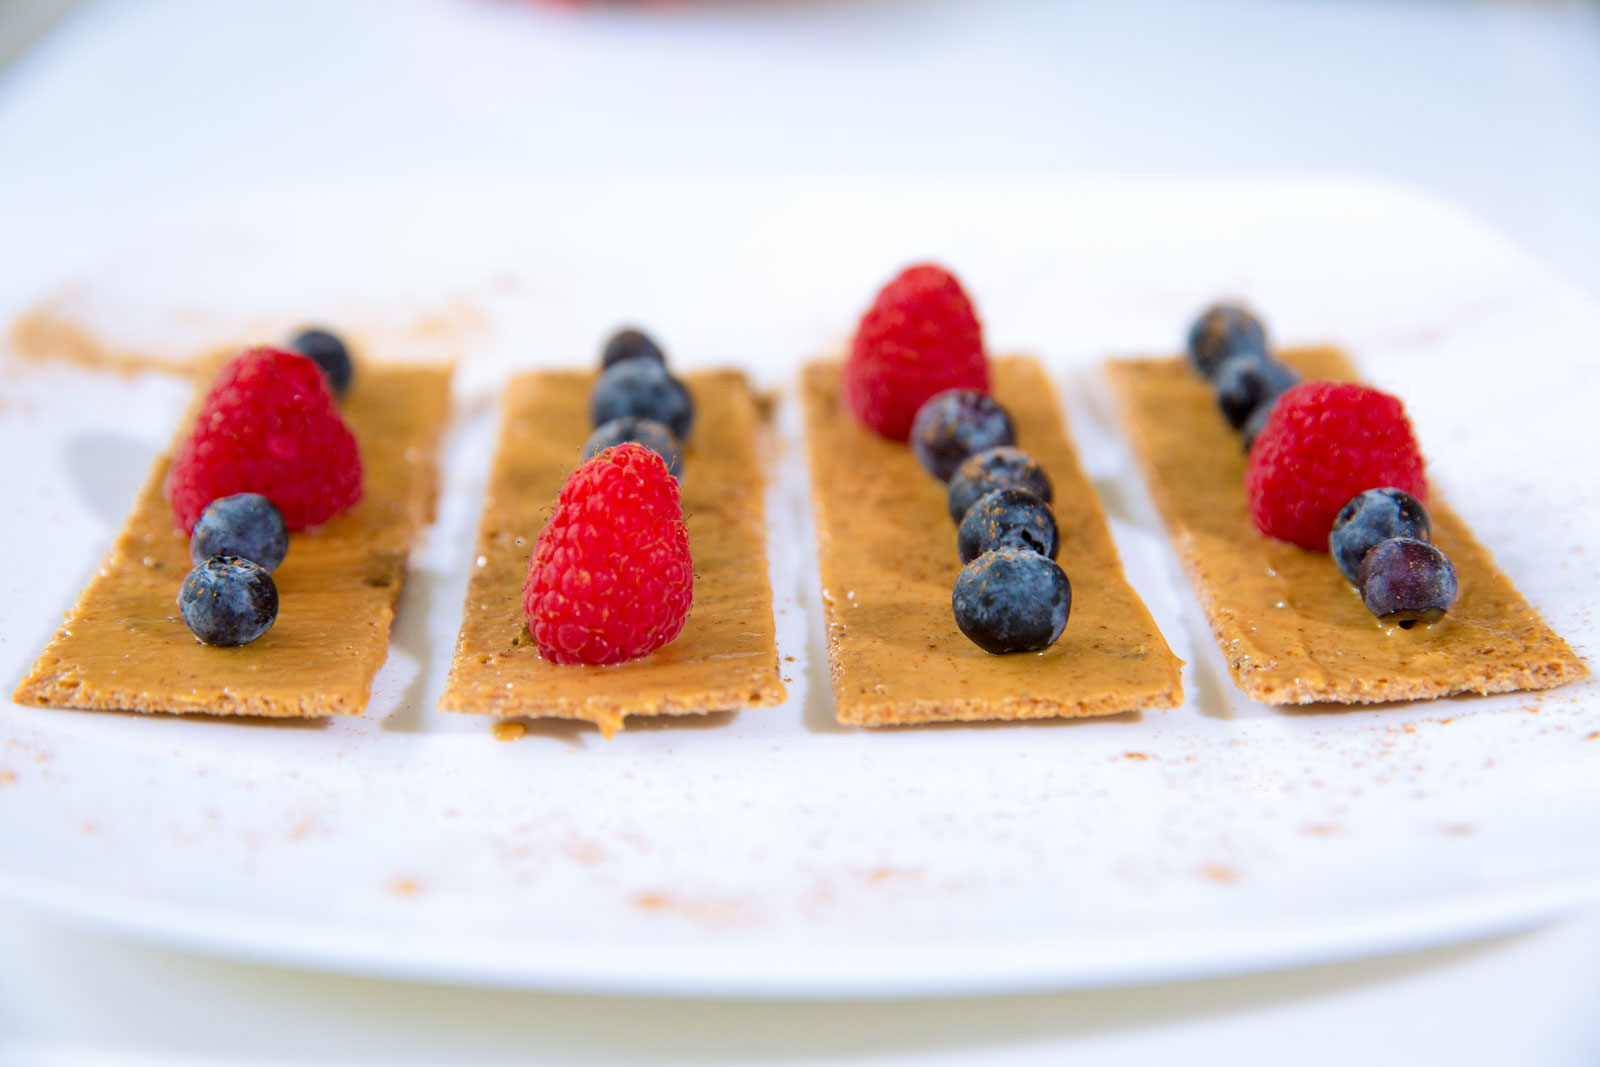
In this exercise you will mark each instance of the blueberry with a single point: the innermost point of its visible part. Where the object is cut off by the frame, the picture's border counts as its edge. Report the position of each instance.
(952, 425)
(1258, 418)
(630, 343)
(228, 601)
(1012, 600)
(1246, 381)
(1008, 518)
(246, 525)
(1224, 330)
(327, 351)
(643, 388)
(1407, 581)
(1373, 516)
(995, 468)
(648, 432)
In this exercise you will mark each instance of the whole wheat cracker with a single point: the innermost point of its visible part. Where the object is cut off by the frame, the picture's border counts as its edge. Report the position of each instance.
(725, 659)
(124, 647)
(1292, 629)
(888, 562)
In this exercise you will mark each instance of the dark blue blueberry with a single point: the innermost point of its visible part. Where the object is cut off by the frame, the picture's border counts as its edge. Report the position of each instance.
(1008, 518)
(1012, 600)
(1004, 467)
(1224, 330)
(228, 601)
(246, 525)
(1407, 581)
(1257, 419)
(327, 351)
(1370, 517)
(648, 432)
(642, 388)
(1248, 380)
(630, 343)
(952, 425)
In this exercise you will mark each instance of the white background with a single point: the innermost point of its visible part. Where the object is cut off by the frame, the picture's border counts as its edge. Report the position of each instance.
(131, 108)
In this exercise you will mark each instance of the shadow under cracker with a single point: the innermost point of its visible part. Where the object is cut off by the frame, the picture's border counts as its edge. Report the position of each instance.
(410, 633)
(817, 714)
(711, 720)
(107, 471)
(577, 732)
(286, 722)
(1212, 685)
(1055, 722)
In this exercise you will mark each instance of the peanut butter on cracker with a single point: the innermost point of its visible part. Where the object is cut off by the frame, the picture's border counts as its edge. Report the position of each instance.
(1291, 628)
(887, 554)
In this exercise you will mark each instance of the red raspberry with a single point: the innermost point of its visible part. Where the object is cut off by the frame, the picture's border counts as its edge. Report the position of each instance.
(268, 426)
(1323, 443)
(610, 578)
(919, 337)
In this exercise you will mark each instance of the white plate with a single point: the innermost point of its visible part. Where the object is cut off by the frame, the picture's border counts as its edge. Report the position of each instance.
(772, 853)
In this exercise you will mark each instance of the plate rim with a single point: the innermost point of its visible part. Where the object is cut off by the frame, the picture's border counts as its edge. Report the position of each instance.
(1469, 917)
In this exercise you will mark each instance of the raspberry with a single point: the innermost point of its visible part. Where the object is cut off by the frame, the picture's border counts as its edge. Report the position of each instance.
(919, 337)
(610, 578)
(268, 426)
(1323, 443)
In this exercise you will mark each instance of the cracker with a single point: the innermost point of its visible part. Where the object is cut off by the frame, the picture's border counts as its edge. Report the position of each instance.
(725, 659)
(887, 555)
(1292, 629)
(125, 647)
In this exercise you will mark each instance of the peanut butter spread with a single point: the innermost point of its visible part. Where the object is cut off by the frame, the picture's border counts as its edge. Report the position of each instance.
(887, 554)
(727, 655)
(41, 334)
(1293, 630)
(124, 645)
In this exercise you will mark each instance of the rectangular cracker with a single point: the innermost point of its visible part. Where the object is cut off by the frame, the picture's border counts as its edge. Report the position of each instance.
(887, 553)
(1292, 629)
(125, 647)
(725, 659)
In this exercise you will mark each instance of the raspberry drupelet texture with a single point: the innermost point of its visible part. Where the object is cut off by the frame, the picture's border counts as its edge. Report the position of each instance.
(919, 337)
(268, 426)
(1323, 443)
(611, 578)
